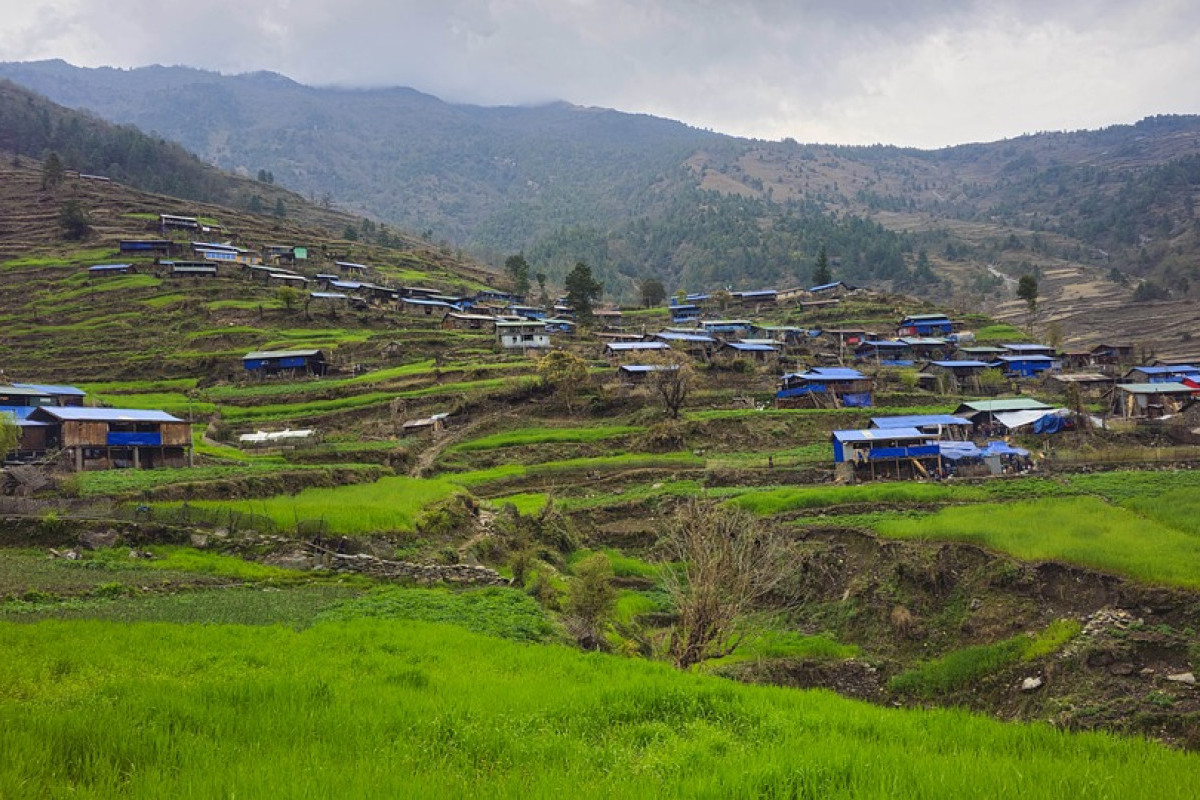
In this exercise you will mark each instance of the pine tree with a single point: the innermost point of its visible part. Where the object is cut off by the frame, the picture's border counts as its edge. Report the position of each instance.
(821, 274)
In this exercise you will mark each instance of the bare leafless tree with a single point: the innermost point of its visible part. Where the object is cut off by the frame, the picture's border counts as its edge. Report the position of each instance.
(672, 381)
(721, 566)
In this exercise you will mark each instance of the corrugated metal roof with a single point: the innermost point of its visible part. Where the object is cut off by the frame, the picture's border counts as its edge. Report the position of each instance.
(1157, 388)
(925, 318)
(641, 368)
(109, 267)
(328, 296)
(281, 354)
(81, 414)
(1038, 358)
(1174, 370)
(1026, 348)
(751, 347)
(47, 388)
(1002, 404)
(637, 345)
(829, 374)
(918, 420)
(685, 337)
(879, 435)
(963, 364)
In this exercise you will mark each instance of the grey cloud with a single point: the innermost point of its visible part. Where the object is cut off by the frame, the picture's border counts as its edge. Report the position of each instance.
(924, 73)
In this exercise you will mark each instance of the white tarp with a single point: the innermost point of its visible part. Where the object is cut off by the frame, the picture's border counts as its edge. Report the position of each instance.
(263, 437)
(1019, 419)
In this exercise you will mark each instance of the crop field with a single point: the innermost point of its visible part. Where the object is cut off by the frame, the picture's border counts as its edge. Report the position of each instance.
(408, 708)
(389, 504)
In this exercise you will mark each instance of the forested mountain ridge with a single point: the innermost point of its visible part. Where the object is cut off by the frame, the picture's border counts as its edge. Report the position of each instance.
(636, 196)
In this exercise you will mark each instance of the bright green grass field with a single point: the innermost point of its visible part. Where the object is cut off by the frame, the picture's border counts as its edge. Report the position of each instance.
(389, 504)
(377, 708)
(529, 436)
(1079, 530)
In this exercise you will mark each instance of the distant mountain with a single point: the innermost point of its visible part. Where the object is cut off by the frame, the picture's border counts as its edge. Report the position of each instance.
(639, 196)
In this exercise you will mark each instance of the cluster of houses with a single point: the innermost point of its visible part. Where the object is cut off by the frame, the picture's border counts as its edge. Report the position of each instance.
(53, 419)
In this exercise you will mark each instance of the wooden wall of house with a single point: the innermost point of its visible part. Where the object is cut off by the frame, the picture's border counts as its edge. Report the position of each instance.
(176, 434)
(84, 434)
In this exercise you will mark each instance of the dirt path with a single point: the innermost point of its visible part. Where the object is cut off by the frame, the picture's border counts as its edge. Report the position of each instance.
(429, 456)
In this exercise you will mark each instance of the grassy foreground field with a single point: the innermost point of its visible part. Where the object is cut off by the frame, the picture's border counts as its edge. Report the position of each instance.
(405, 709)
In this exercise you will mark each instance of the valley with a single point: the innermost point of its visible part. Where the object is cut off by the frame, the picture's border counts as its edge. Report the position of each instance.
(457, 576)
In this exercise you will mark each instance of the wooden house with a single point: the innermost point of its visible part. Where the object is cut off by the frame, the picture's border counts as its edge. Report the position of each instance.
(1090, 385)
(991, 417)
(294, 362)
(758, 352)
(143, 247)
(174, 222)
(953, 376)
(20, 399)
(825, 387)
(116, 438)
(635, 374)
(925, 325)
(460, 321)
(1150, 400)
(834, 289)
(1164, 374)
(697, 345)
(1026, 366)
(620, 351)
(109, 270)
(726, 329)
(886, 453)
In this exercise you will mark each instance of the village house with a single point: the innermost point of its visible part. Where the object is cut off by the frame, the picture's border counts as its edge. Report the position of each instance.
(979, 353)
(141, 247)
(1090, 385)
(757, 352)
(946, 427)
(884, 353)
(1165, 374)
(526, 335)
(953, 376)
(619, 351)
(824, 387)
(726, 329)
(925, 325)
(1026, 366)
(998, 416)
(885, 452)
(293, 362)
(168, 222)
(20, 399)
(113, 438)
(460, 321)
(107, 270)
(834, 289)
(1150, 400)
(685, 313)
(636, 374)
(696, 345)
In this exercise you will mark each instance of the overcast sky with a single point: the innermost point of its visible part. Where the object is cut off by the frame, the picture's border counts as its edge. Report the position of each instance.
(925, 73)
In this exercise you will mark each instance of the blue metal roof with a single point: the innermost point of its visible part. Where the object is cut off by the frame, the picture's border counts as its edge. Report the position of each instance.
(828, 374)
(751, 347)
(81, 414)
(47, 388)
(879, 435)
(882, 343)
(962, 363)
(1180, 370)
(351, 285)
(644, 368)
(328, 296)
(918, 420)
(1025, 348)
(824, 286)
(637, 345)
(685, 337)
(1026, 358)
(109, 267)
